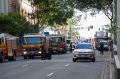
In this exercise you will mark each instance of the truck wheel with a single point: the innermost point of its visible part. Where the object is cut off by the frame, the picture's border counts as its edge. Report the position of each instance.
(13, 58)
(49, 57)
(2, 58)
(42, 58)
(25, 57)
(65, 52)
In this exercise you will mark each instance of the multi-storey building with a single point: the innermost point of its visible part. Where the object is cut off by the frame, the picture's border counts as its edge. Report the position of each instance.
(26, 9)
(4, 6)
(9, 6)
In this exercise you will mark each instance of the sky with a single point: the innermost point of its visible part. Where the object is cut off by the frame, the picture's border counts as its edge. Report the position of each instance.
(97, 21)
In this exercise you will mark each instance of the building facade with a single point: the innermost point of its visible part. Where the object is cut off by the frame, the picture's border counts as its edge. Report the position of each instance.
(26, 9)
(116, 15)
(118, 27)
(9, 6)
(4, 6)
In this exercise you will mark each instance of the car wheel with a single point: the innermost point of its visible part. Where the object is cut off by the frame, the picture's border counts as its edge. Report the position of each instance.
(74, 59)
(43, 57)
(93, 60)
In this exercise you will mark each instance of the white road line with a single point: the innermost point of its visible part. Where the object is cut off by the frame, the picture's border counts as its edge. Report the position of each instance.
(50, 74)
(67, 65)
(25, 65)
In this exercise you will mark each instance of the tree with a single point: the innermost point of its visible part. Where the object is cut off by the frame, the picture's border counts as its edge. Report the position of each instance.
(15, 24)
(51, 12)
(57, 12)
(96, 6)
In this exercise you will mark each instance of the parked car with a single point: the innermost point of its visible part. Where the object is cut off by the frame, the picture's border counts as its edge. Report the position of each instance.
(84, 51)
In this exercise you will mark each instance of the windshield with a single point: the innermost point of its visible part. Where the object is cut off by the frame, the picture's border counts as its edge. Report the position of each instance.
(83, 46)
(99, 39)
(56, 39)
(105, 43)
(33, 40)
(68, 41)
(1, 41)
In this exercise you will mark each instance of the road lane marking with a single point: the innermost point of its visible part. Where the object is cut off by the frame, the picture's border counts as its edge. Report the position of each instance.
(67, 65)
(25, 65)
(50, 74)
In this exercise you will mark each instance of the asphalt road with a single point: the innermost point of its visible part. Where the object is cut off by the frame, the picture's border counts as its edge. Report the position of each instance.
(60, 67)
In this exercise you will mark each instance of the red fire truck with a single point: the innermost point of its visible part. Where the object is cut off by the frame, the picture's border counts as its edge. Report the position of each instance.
(36, 45)
(9, 47)
(58, 44)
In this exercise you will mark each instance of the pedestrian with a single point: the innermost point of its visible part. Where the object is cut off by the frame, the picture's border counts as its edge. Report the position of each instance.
(115, 49)
(71, 46)
(101, 48)
(111, 45)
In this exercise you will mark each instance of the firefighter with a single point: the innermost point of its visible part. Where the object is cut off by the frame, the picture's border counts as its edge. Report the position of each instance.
(101, 48)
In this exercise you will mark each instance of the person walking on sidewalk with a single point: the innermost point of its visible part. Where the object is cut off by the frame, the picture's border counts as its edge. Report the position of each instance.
(101, 48)
(115, 49)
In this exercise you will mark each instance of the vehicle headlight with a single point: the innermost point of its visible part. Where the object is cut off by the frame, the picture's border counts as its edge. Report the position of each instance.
(75, 52)
(39, 52)
(25, 52)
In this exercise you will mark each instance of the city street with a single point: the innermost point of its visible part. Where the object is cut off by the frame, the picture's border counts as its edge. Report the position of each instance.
(60, 67)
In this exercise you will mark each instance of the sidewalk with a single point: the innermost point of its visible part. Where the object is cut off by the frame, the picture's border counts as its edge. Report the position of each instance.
(109, 68)
(112, 68)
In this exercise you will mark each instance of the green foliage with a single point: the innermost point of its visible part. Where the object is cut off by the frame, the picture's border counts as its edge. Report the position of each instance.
(75, 33)
(14, 24)
(98, 4)
(51, 12)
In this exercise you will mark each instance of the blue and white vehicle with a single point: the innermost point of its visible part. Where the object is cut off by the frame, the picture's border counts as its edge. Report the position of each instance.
(84, 51)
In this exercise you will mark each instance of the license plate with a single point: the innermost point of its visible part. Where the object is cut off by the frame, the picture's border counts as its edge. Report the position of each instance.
(82, 55)
(32, 52)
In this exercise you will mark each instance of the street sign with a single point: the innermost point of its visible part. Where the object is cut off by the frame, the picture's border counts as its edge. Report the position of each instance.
(46, 33)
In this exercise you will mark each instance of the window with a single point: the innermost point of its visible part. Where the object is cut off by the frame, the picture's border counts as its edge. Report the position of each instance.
(1, 41)
(33, 40)
(56, 39)
(84, 46)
